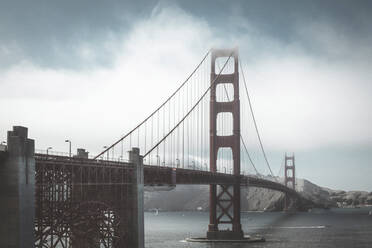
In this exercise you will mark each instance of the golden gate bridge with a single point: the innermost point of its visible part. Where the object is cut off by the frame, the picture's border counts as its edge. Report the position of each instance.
(198, 135)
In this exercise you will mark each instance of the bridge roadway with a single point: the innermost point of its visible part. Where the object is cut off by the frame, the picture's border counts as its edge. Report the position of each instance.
(75, 196)
(158, 175)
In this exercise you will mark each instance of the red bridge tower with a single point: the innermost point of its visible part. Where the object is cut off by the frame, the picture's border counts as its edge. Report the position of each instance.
(289, 177)
(224, 200)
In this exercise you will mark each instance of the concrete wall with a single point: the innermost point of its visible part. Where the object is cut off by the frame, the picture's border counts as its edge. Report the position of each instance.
(17, 190)
(136, 239)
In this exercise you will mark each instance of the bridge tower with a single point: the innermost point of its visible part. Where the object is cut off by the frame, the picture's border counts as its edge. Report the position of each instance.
(224, 201)
(289, 177)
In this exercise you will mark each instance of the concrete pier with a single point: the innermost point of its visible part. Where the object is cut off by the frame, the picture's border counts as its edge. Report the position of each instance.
(17, 189)
(136, 239)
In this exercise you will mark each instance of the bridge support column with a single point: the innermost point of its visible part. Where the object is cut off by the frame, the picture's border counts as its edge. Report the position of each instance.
(136, 233)
(224, 201)
(17, 189)
(289, 178)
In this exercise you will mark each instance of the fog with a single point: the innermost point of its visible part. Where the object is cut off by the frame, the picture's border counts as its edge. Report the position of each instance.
(310, 81)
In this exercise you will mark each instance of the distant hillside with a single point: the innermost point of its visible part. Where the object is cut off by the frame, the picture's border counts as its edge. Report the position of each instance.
(193, 197)
(350, 198)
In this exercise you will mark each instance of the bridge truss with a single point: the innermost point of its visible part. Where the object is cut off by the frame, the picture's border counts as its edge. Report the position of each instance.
(82, 203)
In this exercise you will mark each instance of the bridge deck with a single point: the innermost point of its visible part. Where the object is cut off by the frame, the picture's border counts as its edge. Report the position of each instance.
(86, 189)
(158, 175)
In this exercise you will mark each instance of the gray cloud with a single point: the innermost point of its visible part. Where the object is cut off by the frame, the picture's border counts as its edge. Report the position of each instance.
(52, 33)
(82, 34)
(81, 64)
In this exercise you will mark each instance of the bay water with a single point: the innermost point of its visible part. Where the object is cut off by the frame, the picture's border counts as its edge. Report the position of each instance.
(333, 228)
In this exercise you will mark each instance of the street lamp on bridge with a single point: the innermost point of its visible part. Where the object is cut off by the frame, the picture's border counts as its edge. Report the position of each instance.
(47, 150)
(158, 160)
(105, 147)
(69, 141)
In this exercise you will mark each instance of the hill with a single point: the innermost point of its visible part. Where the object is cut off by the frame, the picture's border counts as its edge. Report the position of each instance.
(196, 197)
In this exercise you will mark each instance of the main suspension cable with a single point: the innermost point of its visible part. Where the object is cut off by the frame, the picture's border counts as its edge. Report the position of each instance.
(193, 107)
(154, 112)
(255, 123)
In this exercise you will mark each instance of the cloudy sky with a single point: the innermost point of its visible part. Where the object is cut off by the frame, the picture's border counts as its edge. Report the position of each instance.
(90, 70)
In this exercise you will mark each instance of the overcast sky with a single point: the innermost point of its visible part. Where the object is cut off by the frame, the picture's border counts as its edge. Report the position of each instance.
(90, 70)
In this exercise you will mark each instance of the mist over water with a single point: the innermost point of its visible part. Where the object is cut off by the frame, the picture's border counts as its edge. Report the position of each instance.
(320, 228)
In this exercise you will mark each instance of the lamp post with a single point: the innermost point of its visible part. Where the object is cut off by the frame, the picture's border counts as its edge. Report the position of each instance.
(69, 142)
(177, 162)
(47, 150)
(158, 160)
(105, 147)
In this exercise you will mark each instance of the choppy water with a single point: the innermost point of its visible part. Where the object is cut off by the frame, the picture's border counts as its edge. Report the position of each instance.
(347, 228)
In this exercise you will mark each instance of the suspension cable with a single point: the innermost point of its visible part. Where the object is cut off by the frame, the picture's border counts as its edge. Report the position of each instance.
(249, 157)
(254, 121)
(193, 107)
(154, 112)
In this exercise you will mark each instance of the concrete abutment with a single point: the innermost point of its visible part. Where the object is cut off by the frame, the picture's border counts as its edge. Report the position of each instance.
(17, 185)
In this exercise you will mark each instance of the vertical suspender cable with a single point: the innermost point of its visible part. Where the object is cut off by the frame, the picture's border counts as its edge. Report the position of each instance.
(255, 123)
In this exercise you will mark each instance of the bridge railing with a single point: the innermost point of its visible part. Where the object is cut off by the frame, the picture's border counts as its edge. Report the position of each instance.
(74, 155)
(190, 167)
